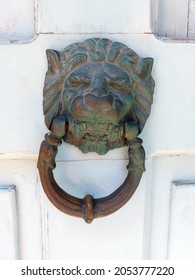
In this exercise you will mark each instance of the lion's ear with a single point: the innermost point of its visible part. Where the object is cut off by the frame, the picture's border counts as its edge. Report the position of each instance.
(144, 68)
(53, 61)
(143, 92)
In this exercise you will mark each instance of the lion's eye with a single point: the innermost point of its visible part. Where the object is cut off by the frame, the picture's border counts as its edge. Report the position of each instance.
(122, 85)
(75, 82)
(78, 82)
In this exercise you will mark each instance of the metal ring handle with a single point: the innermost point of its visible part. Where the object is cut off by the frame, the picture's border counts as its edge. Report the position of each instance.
(88, 207)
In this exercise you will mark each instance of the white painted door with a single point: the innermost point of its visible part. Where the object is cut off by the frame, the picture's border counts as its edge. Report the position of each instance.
(159, 221)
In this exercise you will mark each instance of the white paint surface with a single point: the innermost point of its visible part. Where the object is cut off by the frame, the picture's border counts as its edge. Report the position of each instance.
(25, 237)
(17, 20)
(174, 19)
(78, 16)
(191, 22)
(182, 222)
(9, 247)
(163, 213)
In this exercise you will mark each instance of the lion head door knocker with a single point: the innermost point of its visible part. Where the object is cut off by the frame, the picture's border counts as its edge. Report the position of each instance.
(97, 96)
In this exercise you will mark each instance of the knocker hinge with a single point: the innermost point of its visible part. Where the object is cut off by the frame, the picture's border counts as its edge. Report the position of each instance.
(136, 155)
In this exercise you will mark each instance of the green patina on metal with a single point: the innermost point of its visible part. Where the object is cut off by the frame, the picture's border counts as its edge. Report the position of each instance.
(102, 89)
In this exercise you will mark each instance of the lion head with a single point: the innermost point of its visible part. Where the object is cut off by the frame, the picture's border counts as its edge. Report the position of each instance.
(104, 91)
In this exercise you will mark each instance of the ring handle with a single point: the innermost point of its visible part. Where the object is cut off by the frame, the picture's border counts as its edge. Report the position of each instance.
(88, 207)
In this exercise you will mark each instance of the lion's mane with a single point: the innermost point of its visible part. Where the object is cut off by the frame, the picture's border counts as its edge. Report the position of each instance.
(61, 64)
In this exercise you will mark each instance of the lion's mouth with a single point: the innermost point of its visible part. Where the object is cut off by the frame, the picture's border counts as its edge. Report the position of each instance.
(103, 107)
(98, 104)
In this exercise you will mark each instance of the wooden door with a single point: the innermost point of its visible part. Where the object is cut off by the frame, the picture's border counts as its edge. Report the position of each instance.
(158, 222)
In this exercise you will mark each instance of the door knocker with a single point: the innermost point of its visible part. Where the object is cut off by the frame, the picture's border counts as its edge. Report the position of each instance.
(97, 96)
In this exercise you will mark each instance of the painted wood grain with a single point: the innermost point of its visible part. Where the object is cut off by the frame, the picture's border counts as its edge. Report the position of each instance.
(191, 22)
(172, 18)
(17, 20)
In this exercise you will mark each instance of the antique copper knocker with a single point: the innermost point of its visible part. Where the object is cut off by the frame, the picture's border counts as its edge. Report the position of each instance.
(97, 96)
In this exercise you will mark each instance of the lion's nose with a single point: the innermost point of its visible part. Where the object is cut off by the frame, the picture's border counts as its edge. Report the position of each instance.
(99, 86)
(99, 99)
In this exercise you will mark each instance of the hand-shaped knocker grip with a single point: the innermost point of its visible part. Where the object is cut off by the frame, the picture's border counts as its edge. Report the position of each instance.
(97, 96)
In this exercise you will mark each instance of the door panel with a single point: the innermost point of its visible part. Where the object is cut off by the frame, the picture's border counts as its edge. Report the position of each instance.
(9, 245)
(158, 221)
(18, 21)
(69, 16)
(182, 221)
(166, 203)
(21, 221)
